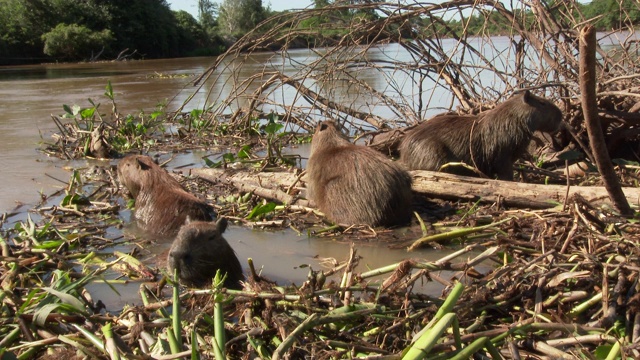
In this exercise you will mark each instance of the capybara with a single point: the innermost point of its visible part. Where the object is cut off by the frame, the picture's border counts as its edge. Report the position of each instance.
(199, 250)
(354, 184)
(162, 204)
(491, 141)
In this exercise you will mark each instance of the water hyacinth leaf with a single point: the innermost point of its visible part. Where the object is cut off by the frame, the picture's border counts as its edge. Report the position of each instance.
(88, 113)
(244, 152)
(212, 164)
(67, 109)
(272, 128)
(195, 114)
(261, 209)
(74, 199)
(75, 110)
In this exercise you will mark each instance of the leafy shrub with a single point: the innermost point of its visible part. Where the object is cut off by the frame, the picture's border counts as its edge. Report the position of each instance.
(75, 42)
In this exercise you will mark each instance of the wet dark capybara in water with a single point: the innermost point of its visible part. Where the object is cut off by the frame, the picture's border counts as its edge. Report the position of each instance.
(199, 250)
(491, 141)
(162, 204)
(354, 184)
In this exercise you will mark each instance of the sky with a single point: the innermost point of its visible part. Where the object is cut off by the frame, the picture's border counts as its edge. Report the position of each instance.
(191, 7)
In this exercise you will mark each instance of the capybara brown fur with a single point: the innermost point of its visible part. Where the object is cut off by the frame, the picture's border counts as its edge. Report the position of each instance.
(354, 184)
(161, 203)
(199, 250)
(491, 141)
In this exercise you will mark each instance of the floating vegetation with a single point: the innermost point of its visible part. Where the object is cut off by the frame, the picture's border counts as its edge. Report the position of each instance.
(158, 75)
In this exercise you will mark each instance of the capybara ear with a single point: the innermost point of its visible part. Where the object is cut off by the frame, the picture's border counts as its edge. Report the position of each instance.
(526, 97)
(221, 224)
(142, 165)
(323, 126)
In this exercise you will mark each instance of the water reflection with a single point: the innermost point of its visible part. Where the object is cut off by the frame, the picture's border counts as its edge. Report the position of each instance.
(283, 256)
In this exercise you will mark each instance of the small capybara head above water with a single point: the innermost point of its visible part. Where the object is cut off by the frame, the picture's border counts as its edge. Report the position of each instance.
(354, 184)
(161, 203)
(199, 250)
(491, 141)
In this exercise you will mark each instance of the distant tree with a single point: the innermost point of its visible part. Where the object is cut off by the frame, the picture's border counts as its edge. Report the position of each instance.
(614, 14)
(75, 42)
(237, 17)
(191, 35)
(208, 14)
(148, 26)
(319, 4)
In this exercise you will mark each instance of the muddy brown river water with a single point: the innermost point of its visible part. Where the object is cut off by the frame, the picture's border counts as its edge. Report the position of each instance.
(29, 95)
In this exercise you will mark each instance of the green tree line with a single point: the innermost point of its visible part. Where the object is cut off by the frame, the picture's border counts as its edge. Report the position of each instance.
(33, 31)
(608, 14)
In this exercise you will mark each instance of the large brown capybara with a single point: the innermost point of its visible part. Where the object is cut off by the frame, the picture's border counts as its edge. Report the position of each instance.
(491, 141)
(199, 250)
(354, 184)
(162, 204)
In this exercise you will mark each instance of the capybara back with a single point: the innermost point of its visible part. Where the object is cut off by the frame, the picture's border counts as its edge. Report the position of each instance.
(199, 250)
(162, 204)
(354, 184)
(491, 141)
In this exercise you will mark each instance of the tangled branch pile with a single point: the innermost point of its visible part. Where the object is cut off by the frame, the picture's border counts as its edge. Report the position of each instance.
(430, 67)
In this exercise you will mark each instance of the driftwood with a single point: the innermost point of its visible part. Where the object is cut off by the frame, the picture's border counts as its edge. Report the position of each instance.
(286, 188)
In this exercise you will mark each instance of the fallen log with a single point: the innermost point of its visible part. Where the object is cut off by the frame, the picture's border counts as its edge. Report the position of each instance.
(515, 194)
(289, 188)
(284, 187)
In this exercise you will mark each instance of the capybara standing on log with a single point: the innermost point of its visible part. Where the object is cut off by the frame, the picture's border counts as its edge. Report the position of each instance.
(491, 141)
(354, 184)
(162, 204)
(199, 250)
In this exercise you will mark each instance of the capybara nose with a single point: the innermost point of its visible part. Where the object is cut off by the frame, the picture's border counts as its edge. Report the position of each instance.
(179, 257)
